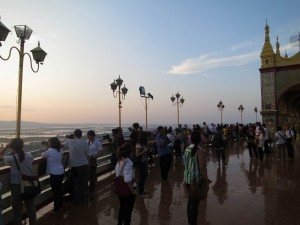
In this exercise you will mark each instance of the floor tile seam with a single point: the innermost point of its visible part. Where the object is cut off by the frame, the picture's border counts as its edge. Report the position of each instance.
(284, 208)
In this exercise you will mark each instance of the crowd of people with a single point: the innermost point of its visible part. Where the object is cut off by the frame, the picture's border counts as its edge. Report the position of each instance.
(134, 156)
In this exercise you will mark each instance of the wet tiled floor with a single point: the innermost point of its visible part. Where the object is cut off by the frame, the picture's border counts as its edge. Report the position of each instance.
(243, 192)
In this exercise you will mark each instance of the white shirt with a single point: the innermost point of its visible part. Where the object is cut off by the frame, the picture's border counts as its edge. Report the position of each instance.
(267, 133)
(54, 161)
(279, 136)
(95, 147)
(127, 172)
(289, 133)
(78, 151)
(25, 166)
(171, 138)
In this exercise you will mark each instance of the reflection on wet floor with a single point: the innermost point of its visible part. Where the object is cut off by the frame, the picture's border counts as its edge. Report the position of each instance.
(243, 192)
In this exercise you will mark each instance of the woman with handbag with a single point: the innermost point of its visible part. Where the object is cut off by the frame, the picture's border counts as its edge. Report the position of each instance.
(124, 168)
(25, 163)
(56, 170)
(280, 138)
(260, 141)
(195, 174)
(141, 151)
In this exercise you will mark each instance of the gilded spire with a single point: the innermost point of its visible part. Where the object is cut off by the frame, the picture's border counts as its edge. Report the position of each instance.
(267, 48)
(286, 56)
(277, 47)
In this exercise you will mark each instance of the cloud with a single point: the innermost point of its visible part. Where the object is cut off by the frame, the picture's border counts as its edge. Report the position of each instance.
(7, 107)
(207, 62)
(14, 107)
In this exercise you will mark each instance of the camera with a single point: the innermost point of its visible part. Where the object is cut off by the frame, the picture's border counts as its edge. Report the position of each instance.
(70, 136)
(107, 137)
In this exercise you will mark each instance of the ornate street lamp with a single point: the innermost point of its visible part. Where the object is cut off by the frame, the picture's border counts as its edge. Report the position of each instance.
(241, 109)
(255, 110)
(221, 107)
(178, 102)
(121, 92)
(147, 98)
(23, 33)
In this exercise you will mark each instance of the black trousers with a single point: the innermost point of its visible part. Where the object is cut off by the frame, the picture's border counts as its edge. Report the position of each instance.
(192, 209)
(57, 188)
(80, 183)
(165, 165)
(260, 153)
(252, 148)
(125, 211)
(290, 148)
(143, 173)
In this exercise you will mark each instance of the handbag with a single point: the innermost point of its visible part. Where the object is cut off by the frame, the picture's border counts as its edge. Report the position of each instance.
(120, 187)
(198, 189)
(30, 185)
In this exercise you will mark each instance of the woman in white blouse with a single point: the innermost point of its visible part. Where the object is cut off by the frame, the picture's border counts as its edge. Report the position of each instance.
(24, 159)
(56, 170)
(280, 138)
(124, 168)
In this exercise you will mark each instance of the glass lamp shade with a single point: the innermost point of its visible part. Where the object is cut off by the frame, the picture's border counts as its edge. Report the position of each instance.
(23, 32)
(38, 54)
(113, 85)
(172, 98)
(119, 81)
(124, 90)
(177, 95)
(3, 31)
(182, 100)
(255, 109)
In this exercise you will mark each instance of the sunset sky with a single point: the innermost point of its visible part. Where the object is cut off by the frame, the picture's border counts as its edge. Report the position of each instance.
(207, 50)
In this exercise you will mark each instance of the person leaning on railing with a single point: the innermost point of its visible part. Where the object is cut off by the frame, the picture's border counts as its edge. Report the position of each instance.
(55, 168)
(25, 162)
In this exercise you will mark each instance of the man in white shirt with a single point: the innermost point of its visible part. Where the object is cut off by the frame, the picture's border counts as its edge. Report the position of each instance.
(79, 153)
(94, 153)
(289, 141)
(267, 139)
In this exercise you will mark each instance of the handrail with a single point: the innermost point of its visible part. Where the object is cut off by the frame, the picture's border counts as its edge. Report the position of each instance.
(39, 168)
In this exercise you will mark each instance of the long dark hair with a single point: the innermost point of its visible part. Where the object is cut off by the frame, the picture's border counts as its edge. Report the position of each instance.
(195, 139)
(142, 139)
(124, 150)
(54, 143)
(17, 144)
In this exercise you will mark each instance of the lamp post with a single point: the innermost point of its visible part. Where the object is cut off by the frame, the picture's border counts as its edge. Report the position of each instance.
(221, 107)
(179, 102)
(255, 110)
(23, 33)
(121, 92)
(241, 109)
(147, 101)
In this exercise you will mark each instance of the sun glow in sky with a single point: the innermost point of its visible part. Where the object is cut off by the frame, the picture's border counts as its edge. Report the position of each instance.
(207, 50)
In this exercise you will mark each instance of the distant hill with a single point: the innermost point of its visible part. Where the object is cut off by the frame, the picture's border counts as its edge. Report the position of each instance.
(31, 124)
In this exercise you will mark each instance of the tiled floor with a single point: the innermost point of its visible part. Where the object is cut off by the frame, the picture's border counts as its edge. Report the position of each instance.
(244, 192)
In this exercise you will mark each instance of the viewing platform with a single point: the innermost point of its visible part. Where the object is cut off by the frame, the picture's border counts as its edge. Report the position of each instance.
(242, 192)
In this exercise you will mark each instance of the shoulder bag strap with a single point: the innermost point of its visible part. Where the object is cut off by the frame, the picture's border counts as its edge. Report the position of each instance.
(281, 136)
(122, 167)
(16, 162)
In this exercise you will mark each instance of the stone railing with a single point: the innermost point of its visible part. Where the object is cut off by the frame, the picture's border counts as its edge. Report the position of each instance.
(39, 166)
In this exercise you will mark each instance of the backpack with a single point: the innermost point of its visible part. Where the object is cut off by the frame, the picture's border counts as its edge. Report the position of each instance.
(218, 141)
(295, 133)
